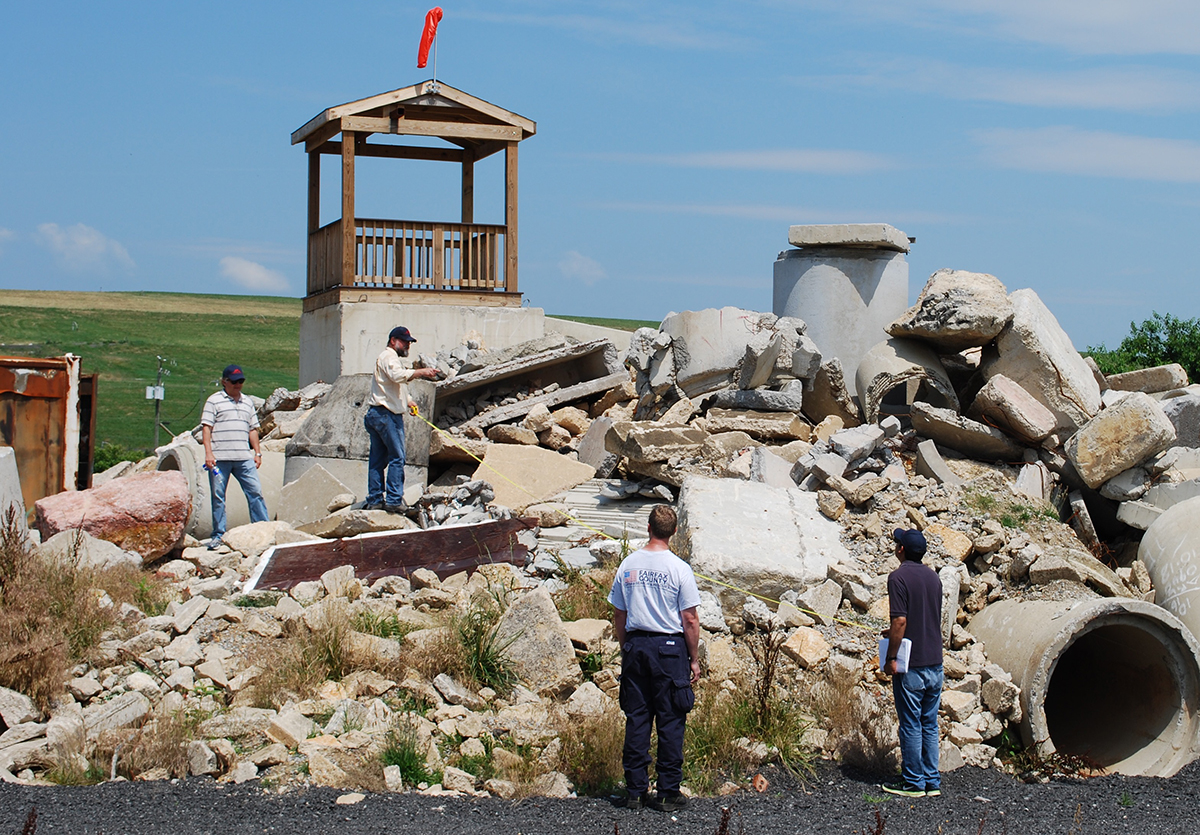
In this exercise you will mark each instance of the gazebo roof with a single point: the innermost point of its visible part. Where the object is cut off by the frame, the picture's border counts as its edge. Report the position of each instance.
(425, 109)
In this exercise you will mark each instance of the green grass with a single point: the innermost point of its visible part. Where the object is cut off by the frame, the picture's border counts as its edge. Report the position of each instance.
(616, 324)
(198, 334)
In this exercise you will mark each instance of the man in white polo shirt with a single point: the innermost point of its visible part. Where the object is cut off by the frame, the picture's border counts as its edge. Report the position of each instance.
(654, 598)
(230, 433)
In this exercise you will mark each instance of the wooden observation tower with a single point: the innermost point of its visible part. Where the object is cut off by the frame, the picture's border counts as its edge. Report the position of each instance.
(354, 259)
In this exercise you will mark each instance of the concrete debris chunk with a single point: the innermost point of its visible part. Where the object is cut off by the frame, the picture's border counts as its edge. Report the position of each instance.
(931, 464)
(1004, 404)
(956, 310)
(1184, 414)
(857, 443)
(650, 443)
(868, 235)
(1150, 380)
(969, 437)
(538, 645)
(829, 396)
(1036, 353)
(895, 363)
(759, 400)
(761, 425)
(531, 475)
(1119, 438)
(306, 499)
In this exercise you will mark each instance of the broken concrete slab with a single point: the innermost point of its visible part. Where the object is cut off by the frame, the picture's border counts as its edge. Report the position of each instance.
(1119, 438)
(762, 400)
(307, 498)
(897, 362)
(645, 442)
(865, 235)
(931, 464)
(754, 536)
(1004, 404)
(829, 397)
(86, 551)
(1034, 481)
(1081, 520)
(1184, 414)
(856, 443)
(1150, 380)
(353, 521)
(768, 468)
(969, 437)
(10, 488)
(445, 448)
(566, 394)
(507, 433)
(763, 425)
(707, 346)
(1036, 353)
(524, 475)
(523, 350)
(1127, 486)
(592, 450)
(956, 310)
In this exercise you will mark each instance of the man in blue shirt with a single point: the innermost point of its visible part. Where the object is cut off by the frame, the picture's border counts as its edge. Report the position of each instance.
(654, 598)
(915, 599)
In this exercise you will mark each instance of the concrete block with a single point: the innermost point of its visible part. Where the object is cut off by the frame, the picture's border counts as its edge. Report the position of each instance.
(896, 363)
(290, 728)
(1149, 380)
(10, 487)
(1004, 404)
(830, 397)
(307, 498)
(1184, 414)
(1127, 486)
(931, 464)
(1081, 520)
(124, 711)
(856, 443)
(754, 536)
(1051, 566)
(709, 345)
(505, 433)
(649, 442)
(769, 468)
(1034, 481)
(1036, 353)
(759, 401)
(1119, 438)
(866, 235)
(807, 647)
(973, 439)
(761, 425)
(592, 450)
(956, 310)
(821, 601)
(523, 475)
(538, 645)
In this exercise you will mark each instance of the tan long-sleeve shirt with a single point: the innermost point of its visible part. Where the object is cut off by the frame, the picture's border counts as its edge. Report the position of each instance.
(389, 387)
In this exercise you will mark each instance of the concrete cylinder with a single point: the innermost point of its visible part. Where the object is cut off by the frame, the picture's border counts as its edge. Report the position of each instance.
(846, 295)
(1113, 679)
(1171, 551)
(188, 458)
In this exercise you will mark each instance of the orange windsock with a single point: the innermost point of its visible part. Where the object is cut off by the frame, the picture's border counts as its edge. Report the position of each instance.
(432, 19)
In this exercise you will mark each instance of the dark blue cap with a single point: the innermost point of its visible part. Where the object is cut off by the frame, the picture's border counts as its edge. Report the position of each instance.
(401, 333)
(913, 542)
(233, 373)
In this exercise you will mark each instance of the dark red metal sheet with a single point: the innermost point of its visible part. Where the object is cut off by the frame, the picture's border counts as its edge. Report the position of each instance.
(444, 551)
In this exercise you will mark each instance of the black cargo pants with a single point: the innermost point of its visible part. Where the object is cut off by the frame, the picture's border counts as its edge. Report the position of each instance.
(656, 687)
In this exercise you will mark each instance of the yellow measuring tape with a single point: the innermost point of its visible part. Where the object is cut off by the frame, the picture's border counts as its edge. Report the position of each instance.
(450, 439)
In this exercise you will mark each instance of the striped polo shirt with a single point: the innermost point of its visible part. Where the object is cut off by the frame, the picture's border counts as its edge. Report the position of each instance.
(231, 421)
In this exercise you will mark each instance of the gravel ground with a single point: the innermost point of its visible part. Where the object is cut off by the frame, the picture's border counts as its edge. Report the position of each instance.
(832, 801)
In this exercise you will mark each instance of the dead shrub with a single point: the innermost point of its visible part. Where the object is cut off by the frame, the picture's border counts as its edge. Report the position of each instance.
(437, 653)
(50, 616)
(860, 723)
(586, 594)
(591, 750)
(158, 745)
(126, 584)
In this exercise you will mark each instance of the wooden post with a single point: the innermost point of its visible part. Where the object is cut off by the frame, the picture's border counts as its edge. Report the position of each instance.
(349, 245)
(314, 191)
(510, 217)
(468, 185)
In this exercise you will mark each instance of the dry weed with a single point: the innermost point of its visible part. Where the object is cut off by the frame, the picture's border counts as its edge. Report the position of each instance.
(591, 750)
(161, 743)
(860, 723)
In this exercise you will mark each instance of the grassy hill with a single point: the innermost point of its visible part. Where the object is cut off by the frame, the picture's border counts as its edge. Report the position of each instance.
(120, 335)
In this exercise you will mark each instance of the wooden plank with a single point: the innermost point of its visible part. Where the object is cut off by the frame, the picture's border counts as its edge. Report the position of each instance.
(445, 551)
(417, 127)
(468, 186)
(368, 149)
(322, 133)
(409, 295)
(348, 236)
(487, 108)
(483, 150)
(510, 217)
(438, 271)
(314, 192)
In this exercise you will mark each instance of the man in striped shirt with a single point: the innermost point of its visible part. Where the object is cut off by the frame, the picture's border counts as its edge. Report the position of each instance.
(230, 432)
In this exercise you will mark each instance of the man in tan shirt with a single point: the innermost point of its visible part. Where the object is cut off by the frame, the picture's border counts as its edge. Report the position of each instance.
(385, 422)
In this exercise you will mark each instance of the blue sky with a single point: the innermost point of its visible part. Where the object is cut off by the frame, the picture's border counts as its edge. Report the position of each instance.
(1052, 143)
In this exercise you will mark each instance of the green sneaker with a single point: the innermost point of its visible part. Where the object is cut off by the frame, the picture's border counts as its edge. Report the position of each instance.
(903, 790)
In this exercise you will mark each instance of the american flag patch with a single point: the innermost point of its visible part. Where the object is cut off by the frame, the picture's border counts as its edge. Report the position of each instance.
(631, 576)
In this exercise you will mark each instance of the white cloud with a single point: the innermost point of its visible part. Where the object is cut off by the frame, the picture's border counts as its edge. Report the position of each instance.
(1109, 88)
(1067, 150)
(578, 267)
(252, 276)
(81, 248)
(5, 235)
(809, 160)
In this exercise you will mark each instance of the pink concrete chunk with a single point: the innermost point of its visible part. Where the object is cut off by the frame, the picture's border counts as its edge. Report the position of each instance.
(1004, 404)
(145, 513)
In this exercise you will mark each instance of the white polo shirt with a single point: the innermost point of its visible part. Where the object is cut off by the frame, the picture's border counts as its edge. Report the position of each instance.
(231, 421)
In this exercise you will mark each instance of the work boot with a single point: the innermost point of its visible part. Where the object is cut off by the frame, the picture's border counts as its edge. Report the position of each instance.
(399, 509)
(630, 800)
(669, 801)
(373, 506)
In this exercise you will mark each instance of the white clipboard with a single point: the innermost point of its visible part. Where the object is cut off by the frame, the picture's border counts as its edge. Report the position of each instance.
(901, 656)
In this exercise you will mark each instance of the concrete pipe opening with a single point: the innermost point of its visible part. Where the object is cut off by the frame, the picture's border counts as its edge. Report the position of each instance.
(1114, 680)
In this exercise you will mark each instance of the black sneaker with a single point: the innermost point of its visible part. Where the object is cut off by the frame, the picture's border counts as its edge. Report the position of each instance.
(669, 801)
(633, 801)
(933, 792)
(903, 790)
(373, 506)
(399, 509)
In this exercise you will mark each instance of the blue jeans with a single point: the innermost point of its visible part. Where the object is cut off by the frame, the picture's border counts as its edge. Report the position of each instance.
(386, 431)
(918, 694)
(247, 476)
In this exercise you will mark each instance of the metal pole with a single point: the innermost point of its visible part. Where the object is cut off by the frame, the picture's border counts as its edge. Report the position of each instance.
(157, 402)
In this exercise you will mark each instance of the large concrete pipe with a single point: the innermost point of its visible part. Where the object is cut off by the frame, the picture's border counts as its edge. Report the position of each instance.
(188, 458)
(1114, 679)
(1171, 551)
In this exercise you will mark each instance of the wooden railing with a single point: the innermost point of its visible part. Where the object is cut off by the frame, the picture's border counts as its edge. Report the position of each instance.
(410, 255)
